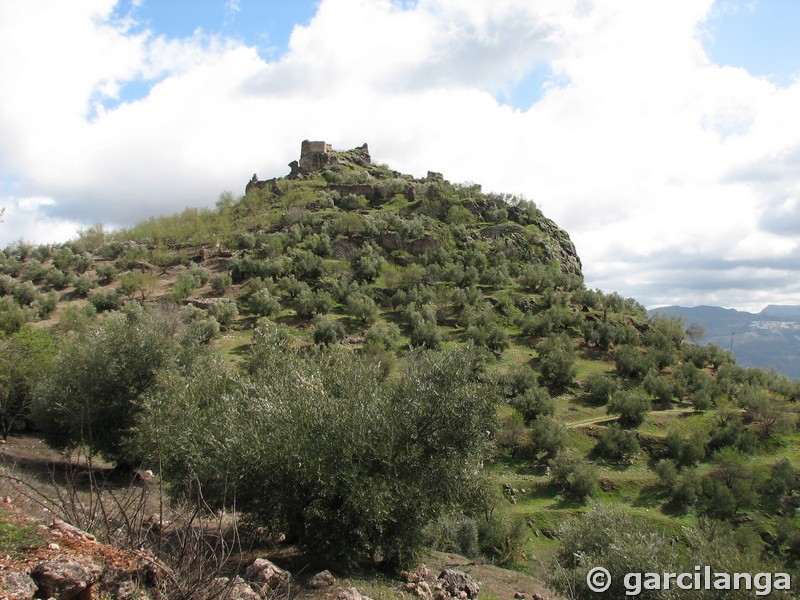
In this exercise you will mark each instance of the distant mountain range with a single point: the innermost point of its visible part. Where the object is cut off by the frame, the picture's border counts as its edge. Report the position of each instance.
(768, 339)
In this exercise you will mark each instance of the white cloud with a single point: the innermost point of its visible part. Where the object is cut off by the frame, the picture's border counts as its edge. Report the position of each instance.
(640, 147)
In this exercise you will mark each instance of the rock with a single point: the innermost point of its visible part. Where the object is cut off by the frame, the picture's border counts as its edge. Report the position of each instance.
(351, 594)
(458, 581)
(549, 534)
(423, 590)
(128, 590)
(71, 530)
(434, 176)
(234, 589)
(17, 585)
(769, 538)
(266, 573)
(66, 579)
(322, 579)
(424, 244)
(519, 595)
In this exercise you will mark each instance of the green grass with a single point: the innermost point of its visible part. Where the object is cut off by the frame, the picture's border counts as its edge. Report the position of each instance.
(17, 538)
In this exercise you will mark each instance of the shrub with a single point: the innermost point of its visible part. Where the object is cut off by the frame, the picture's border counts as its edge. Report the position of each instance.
(327, 331)
(535, 402)
(308, 303)
(105, 299)
(557, 360)
(616, 443)
(686, 446)
(362, 307)
(56, 278)
(263, 304)
(382, 335)
(576, 476)
(224, 311)
(512, 434)
(90, 395)
(547, 438)
(632, 407)
(220, 282)
(106, 272)
(600, 388)
(322, 447)
(630, 362)
(24, 356)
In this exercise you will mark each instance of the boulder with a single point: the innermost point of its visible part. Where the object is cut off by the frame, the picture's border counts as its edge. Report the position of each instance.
(266, 573)
(456, 582)
(66, 579)
(322, 579)
(17, 585)
(351, 594)
(234, 589)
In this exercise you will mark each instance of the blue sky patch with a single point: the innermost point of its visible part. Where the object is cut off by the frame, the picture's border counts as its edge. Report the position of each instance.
(761, 36)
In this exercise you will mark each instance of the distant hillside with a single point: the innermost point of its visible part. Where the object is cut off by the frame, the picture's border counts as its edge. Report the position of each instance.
(769, 339)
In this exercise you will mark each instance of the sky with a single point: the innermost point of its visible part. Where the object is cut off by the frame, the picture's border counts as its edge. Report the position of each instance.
(662, 135)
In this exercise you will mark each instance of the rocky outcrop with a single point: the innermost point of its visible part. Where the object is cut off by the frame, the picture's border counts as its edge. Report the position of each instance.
(67, 579)
(17, 585)
(450, 585)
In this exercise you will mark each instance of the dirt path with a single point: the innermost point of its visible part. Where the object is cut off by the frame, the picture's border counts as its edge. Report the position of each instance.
(607, 419)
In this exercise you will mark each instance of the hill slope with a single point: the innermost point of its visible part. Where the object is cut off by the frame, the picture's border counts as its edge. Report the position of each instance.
(769, 339)
(344, 260)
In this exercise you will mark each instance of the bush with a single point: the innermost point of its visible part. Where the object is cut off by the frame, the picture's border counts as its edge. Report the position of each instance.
(576, 476)
(600, 388)
(24, 356)
(220, 283)
(104, 299)
(630, 362)
(535, 402)
(90, 396)
(224, 311)
(382, 335)
(362, 308)
(547, 438)
(106, 272)
(616, 443)
(327, 331)
(322, 447)
(263, 304)
(503, 541)
(686, 446)
(557, 361)
(632, 407)
(455, 534)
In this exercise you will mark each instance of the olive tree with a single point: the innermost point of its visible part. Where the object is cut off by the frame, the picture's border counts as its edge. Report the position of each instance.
(91, 393)
(24, 357)
(320, 445)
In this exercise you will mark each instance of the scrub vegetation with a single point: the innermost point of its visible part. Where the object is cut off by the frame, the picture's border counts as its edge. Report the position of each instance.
(374, 365)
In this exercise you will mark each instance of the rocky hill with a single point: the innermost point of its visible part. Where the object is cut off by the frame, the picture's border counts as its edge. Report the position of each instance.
(300, 317)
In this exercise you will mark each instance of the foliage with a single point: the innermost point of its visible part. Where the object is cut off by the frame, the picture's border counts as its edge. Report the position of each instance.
(631, 405)
(320, 446)
(91, 394)
(24, 356)
(575, 475)
(557, 360)
(616, 443)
